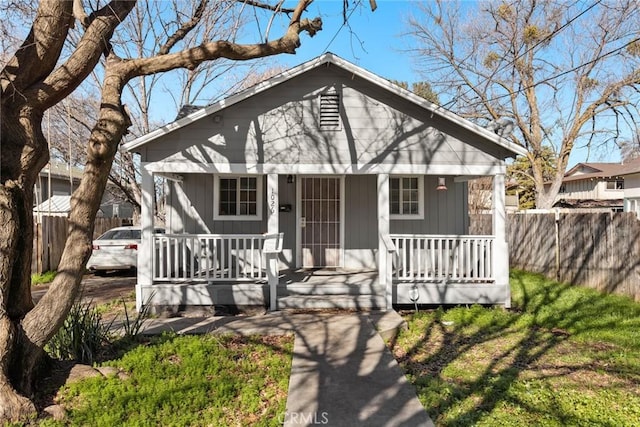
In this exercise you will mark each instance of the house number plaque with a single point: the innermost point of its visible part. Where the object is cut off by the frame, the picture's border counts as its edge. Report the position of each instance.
(273, 196)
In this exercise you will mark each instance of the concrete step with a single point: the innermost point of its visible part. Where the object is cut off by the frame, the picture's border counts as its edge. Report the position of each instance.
(291, 289)
(340, 301)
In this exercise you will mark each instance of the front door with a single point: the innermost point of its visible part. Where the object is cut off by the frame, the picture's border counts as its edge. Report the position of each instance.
(320, 221)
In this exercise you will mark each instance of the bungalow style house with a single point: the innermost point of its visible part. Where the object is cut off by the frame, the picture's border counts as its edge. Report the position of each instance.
(324, 186)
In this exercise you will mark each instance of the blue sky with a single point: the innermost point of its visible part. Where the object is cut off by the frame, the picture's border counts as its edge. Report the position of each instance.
(373, 40)
(376, 41)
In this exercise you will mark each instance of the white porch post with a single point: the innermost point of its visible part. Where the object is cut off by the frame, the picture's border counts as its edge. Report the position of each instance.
(145, 251)
(383, 230)
(273, 227)
(501, 249)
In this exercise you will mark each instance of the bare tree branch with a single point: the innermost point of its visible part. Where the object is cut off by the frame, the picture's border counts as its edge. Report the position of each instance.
(67, 77)
(80, 14)
(267, 6)
(191, 58)
(184, 29)
(39, 53)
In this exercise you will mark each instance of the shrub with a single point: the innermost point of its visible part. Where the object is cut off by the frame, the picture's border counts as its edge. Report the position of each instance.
(131, 325)
(81, 336)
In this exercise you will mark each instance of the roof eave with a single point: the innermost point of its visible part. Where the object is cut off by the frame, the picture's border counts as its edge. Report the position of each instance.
(302, 68)
(433, 108)
(227, 102)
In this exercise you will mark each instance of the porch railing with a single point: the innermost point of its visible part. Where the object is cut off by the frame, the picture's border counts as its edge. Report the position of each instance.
(209, 257)
(432, 258)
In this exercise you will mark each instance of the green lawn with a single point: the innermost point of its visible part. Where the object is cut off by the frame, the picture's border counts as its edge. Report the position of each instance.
(187, 380)
(563, 356)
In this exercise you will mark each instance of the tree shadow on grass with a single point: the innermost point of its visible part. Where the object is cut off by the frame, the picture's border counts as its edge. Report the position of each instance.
(465, 370)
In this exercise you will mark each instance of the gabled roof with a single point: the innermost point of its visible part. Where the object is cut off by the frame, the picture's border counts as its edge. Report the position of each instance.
(631, 167)
(601, 170)
(56, 205)
(327, 58)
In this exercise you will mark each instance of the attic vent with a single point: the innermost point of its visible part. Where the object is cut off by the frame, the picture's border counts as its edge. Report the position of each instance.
(330, 110)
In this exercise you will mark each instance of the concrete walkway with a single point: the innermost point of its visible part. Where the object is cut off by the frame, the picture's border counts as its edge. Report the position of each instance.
(342, 373)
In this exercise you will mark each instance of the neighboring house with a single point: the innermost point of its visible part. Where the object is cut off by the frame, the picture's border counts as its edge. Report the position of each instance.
(631, 174)
(63, 182)
(593, 186)
(323, 179)
(57, 205)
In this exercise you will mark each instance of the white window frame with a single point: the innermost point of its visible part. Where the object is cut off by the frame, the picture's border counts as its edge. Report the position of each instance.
(237, 217)
(632, 204)
(614, 182)
(420, 214)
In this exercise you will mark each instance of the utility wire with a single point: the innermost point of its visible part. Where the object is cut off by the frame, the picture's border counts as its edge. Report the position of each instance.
(576, 68)
(344, 23)
(513, 61)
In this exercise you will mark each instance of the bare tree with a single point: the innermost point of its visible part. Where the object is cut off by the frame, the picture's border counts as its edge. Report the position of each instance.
(480, 192)
(142, 35)
(565, 74)
(35, 79)
(630, 149)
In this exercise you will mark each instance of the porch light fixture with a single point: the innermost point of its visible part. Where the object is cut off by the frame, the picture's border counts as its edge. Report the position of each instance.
(290, 179)
(442, 185)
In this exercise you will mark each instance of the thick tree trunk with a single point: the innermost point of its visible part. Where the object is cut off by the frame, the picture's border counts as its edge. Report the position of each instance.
(546, 194)
(24, 154)
(13, 406)
(41, 323)
(24, 329)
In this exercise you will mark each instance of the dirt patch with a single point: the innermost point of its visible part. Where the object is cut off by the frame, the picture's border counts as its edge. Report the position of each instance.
(99, 290)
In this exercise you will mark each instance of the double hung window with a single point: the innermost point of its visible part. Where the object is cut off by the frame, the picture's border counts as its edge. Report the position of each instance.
(407, 196)
(238, 198)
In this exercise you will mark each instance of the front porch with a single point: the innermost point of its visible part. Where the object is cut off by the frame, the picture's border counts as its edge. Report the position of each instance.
(243, 270)
(356, 172)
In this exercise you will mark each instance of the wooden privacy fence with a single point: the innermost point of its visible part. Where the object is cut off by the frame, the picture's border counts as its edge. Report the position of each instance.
(600, 250)
(49, 238)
